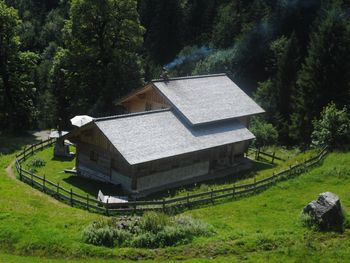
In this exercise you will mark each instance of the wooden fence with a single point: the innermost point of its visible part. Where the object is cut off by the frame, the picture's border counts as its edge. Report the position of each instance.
(258, 152)
(166, 205)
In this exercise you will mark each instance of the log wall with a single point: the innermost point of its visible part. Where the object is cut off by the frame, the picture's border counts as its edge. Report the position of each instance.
(146, 100)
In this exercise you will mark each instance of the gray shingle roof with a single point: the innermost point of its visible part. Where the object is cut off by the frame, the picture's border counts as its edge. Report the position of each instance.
(155, 135)
(204, 99)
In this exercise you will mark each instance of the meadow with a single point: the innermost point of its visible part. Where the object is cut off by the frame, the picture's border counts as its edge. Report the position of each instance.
(266, 227)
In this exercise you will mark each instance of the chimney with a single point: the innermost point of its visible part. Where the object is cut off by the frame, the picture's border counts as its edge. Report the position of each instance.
(164, 75)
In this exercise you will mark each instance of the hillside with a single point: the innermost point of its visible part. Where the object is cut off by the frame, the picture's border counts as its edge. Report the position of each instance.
(258, 228)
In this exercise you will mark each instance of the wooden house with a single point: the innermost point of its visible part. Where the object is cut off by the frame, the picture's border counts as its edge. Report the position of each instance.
(177, 131)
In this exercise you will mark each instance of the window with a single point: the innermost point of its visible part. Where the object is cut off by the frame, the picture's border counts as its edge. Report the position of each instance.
(94, 156)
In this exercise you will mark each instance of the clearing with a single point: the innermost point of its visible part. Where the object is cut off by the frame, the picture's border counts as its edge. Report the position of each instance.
(260, 228)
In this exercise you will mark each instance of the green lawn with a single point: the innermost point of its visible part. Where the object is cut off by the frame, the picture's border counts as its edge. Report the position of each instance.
(261, 228)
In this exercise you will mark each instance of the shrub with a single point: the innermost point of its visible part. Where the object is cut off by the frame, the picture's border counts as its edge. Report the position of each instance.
(154, 222)
(265, 133)
(36, 162)
(193, 226)
(332, 129)
(151, 231)
(104, 233)
(99, 236)
(145, 240)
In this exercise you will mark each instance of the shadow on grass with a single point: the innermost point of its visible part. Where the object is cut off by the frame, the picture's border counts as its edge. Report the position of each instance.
(261, 165)
(63, 159)
(10, 143)
(92, 187)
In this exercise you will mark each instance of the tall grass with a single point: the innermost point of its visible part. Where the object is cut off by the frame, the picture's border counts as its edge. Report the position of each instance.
(153, 230)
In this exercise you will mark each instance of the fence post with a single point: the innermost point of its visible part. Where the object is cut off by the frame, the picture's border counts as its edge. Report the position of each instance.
(107, 211)
(44, 180)
(24, 153)
(31, 179)
(234, 191)
(164, 205)
(71, 197)
(211, 196)
(20, 171)
(41, 145)
(273, 178)
(87, 202)
(58, 189)
(273, 157)
(254, 184)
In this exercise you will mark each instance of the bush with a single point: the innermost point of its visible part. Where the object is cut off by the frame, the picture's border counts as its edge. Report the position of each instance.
(265, 133)
(154, 222)
(332, 129)
(101, 234)
(146, 240)
(36, 162)
(151, 231)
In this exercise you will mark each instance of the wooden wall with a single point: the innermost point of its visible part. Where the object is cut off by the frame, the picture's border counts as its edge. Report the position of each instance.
(97, 158)
(145, 100)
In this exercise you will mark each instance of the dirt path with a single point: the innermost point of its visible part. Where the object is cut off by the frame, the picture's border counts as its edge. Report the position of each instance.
(9, 170)
(41, 135)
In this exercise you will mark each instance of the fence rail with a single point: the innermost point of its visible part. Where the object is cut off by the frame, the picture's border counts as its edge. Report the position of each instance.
(188, 201)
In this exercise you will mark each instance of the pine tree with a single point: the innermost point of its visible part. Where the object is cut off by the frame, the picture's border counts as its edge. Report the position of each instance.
(164, 22)
(274, 95)
(325, 74)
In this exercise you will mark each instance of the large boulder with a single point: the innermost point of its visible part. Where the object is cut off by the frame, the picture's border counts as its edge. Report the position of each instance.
(326, 212)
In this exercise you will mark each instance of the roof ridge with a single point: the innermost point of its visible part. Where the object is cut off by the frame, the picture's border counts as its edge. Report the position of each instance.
(189, 77)
(129, 115)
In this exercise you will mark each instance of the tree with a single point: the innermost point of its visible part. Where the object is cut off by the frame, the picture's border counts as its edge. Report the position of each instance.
(325, 74)
(17, 69)
(100, 61)
(265, 133)
(198, 22)
(164, 22)
(274, 95)
(333, 127)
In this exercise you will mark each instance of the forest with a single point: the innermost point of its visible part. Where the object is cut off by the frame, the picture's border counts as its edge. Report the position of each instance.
(61, 58)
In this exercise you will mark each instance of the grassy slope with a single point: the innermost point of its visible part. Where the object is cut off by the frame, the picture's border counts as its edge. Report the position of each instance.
(258, 228)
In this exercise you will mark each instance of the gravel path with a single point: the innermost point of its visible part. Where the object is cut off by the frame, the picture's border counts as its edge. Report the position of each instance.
(41, 135)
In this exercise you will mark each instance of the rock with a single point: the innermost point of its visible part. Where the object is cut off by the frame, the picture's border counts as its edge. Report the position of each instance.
(326, 212)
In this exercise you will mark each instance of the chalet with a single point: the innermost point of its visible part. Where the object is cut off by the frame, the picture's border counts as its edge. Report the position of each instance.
(177, 131)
